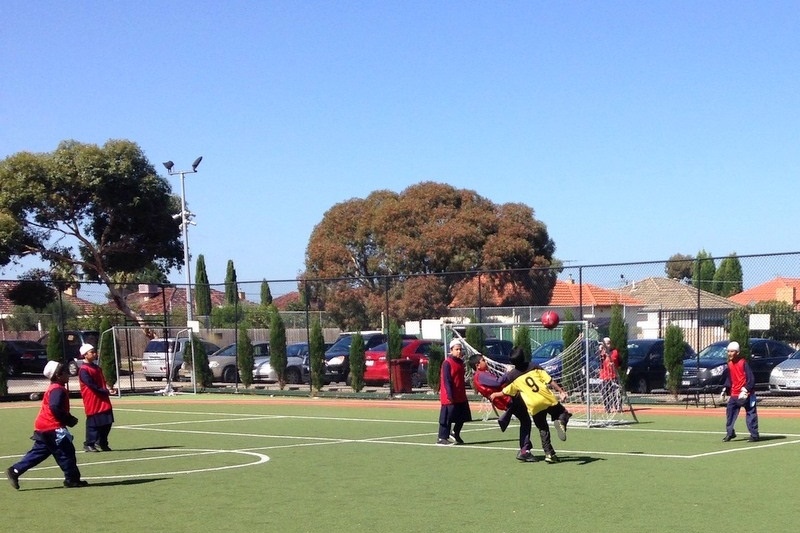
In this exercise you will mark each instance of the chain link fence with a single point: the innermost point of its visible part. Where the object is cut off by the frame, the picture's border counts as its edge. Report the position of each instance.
(652, 294)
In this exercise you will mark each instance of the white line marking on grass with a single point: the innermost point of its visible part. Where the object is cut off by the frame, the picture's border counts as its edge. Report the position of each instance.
(184, 452)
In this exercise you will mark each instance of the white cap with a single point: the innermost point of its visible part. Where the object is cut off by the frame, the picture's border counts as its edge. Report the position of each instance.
(454, 342)
(606, 339)
(733, 346)
(85, 348)
(50, 369)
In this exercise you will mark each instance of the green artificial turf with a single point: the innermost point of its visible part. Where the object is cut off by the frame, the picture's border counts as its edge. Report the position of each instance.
(258, 464)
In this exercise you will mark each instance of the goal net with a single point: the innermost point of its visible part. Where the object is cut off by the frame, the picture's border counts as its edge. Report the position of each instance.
(593, 402)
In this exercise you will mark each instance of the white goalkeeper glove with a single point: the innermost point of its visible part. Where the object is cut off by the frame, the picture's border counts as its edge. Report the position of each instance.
(743, 394)
(722, 394)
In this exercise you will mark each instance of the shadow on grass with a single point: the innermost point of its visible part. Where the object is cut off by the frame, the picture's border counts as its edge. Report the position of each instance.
(103, 484)
(148, 448)
(580, 459)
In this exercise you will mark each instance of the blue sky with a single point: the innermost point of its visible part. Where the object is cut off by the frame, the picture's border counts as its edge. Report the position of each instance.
(635, 130)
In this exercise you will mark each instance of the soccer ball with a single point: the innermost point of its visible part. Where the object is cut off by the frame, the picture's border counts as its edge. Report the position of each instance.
(549, 319)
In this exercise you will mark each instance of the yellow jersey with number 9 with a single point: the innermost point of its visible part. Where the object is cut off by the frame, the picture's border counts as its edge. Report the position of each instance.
(532, 388)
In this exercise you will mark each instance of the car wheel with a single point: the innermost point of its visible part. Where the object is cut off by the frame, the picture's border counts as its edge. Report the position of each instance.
(229, 374)
(640, 387)
(73, 368)
(148, 378)
(292, 376)
(416, 380)
(348, 380)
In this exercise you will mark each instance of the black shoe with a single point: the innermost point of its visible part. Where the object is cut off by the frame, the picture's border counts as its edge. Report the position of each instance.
(443, 442)
(753, 439)
(13, 477)
(526, 457)
(552, 458)
(89, 449)
(101, 448)
(459, 440)
(76, 484)
(728, 438)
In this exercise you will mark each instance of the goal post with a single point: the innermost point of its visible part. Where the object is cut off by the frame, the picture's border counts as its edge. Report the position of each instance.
(593, 402)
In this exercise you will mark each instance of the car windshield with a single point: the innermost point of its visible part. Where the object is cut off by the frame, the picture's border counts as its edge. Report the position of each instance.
(296, 350)
(228, 350)
(160, 346)
(637, 351)
(795, 355)
(714, 351)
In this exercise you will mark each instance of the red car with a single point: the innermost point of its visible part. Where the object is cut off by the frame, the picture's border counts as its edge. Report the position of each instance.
(376, 370)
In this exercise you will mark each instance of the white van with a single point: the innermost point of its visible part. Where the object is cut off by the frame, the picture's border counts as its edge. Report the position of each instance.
(158, 351)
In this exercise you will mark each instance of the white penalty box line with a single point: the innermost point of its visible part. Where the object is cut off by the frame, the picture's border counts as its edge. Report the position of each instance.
(402, 439)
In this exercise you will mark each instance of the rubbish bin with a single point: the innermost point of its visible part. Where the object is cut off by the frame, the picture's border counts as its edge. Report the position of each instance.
(400, 371)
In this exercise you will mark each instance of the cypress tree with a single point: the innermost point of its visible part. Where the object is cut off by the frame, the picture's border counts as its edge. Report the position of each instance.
(108, 357)
(277, 346)
(522, 339)
(435, 359)
(703, 271)
(55, 344)
(316, 355)
(202, 290)
(203, 376)
(245, 357)
(266, 294)
(673, 357)
(356, 375)
(231, 288)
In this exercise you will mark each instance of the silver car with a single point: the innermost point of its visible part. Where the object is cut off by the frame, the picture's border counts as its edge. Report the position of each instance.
(785, 377)
(297, 369)
(223, 363)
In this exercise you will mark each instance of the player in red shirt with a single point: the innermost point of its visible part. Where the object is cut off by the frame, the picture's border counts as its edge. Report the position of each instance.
(740, 382)
(50, 434)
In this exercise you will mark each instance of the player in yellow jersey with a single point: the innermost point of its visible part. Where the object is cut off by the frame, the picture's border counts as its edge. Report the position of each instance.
(534, 387)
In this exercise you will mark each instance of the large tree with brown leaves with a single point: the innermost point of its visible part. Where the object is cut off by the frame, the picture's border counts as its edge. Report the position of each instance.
(423, 246)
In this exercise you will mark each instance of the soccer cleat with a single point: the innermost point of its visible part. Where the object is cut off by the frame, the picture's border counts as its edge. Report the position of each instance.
(13, 477)
(101, 448)
(753, 439)
(526, 457)
(728, 438)
(551, 458)
(443, 442)
(458, 439)
(76, 484)
(90, 449)
(561, 430)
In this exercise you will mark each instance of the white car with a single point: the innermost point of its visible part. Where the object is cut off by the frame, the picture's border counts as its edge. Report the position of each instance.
(785, 377)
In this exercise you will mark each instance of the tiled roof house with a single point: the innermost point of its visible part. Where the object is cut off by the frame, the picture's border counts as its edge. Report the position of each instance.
(671, 301)
(780, 289)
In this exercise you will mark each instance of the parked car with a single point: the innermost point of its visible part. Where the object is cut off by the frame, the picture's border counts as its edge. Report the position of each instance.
(546, 351)
(337, 357)
(24, 356)
(498, 350)
(297, 368)
(72, 342)
(646, 369)
(376, 370)
(785, 377)
(765, 354)
(159, 351)
(553, 365)
(223, 363)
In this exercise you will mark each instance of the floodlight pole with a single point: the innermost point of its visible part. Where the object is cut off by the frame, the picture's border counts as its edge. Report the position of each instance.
(184, 221)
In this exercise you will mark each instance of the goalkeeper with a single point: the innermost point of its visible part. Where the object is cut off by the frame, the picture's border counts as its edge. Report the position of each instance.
(533, 386)
(740, 381)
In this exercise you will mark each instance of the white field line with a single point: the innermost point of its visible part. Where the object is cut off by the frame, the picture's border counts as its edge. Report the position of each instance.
(401, 439)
